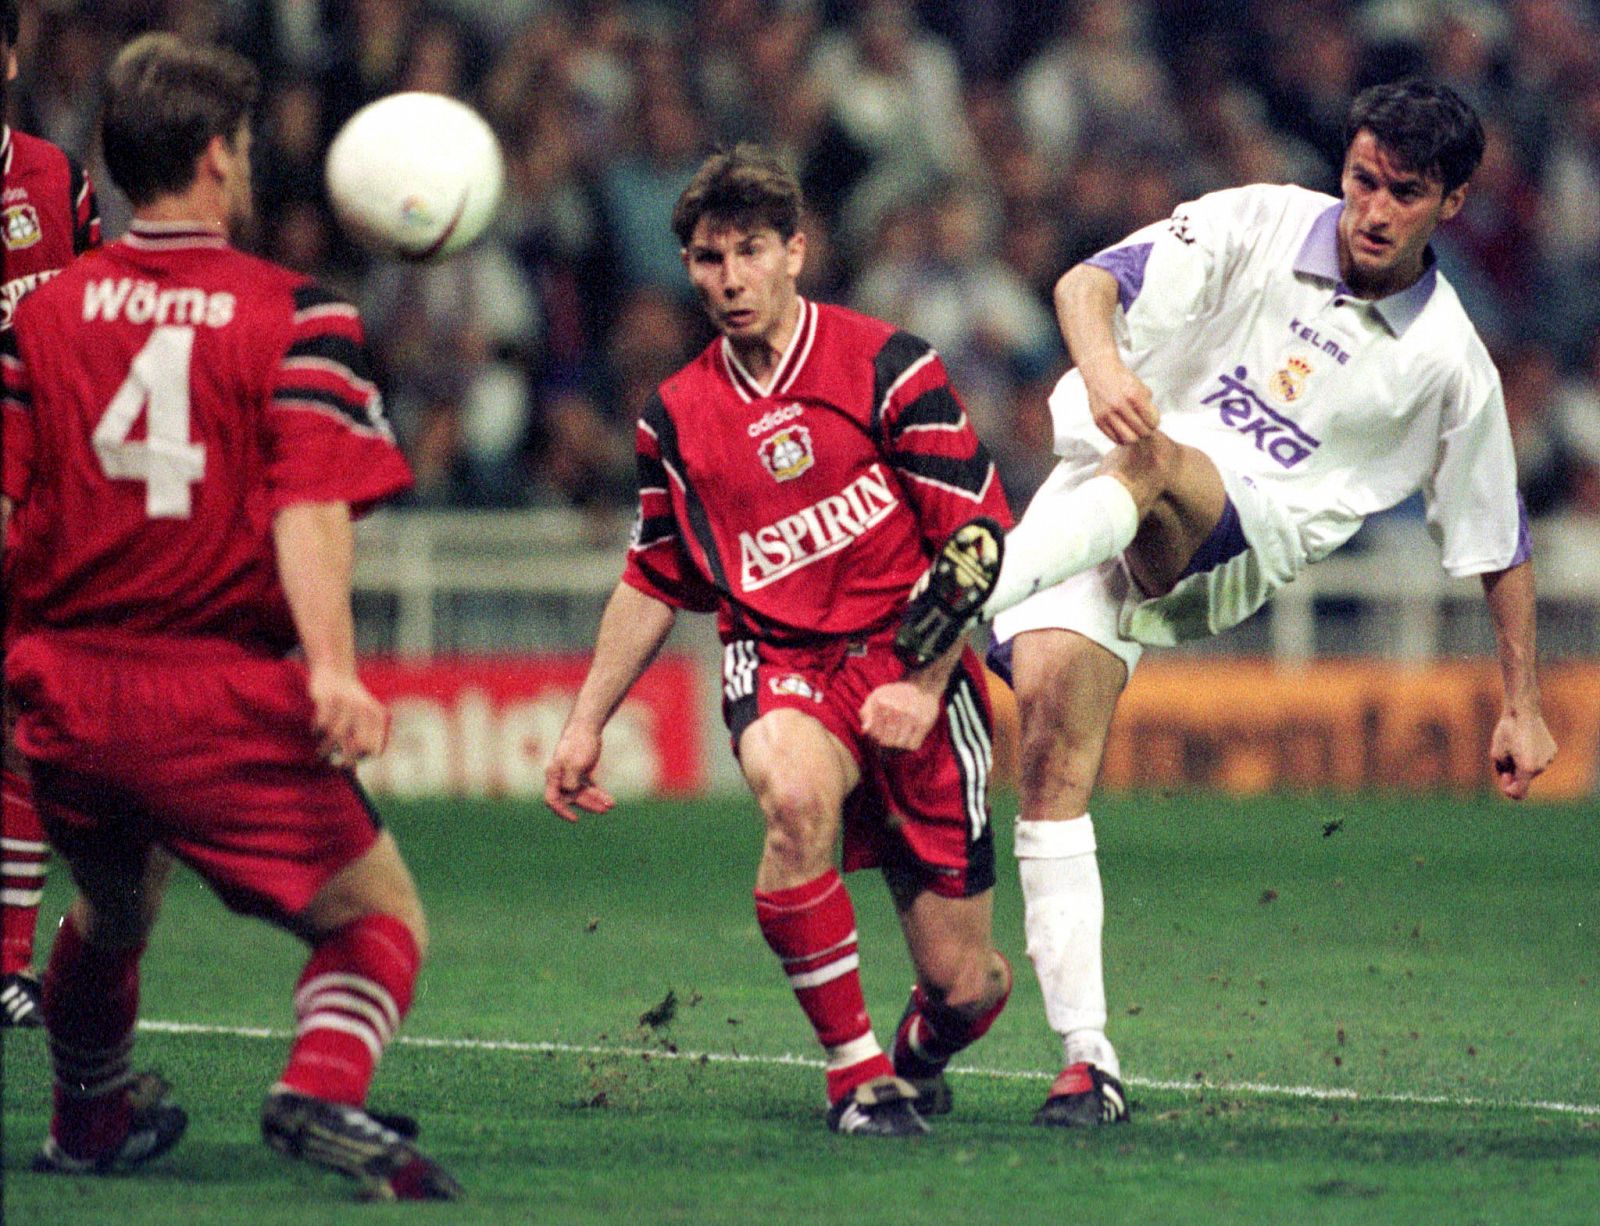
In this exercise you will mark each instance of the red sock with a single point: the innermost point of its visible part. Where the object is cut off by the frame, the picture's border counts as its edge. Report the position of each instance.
(91, 997)
(930, 1032)
(23, 855)
(350, 1001)
(812, 929)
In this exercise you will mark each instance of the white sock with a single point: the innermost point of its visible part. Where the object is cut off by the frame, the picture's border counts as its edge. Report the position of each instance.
(1064, 913)
(1064, 533)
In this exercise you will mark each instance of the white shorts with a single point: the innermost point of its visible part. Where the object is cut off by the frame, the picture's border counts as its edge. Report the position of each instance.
(1254, 552)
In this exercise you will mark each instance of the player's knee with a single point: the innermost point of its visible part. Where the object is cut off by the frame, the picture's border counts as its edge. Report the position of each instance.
(1054, 769)
(797, 848)
(1148, 467)
(798, 819)
(970, 981)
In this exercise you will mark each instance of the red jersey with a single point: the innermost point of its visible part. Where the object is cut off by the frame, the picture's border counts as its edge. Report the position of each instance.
(806, 509)
(47, 217)
(164, 397)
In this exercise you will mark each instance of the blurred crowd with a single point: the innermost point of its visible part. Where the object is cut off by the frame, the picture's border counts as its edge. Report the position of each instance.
(957, 156)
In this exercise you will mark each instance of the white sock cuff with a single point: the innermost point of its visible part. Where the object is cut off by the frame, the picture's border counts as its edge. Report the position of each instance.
(1064, 533)
(1112, 499)
(1051, 840)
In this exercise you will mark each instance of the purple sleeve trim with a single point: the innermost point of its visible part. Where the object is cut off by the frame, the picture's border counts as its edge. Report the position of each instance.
(1126, 264)
(1524, 537)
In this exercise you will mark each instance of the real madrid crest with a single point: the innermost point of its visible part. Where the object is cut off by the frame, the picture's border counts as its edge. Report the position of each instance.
(20, 224)
(787, 453)
(1288, 383)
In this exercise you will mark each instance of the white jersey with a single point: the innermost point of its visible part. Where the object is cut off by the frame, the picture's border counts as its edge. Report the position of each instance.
(1235, 316)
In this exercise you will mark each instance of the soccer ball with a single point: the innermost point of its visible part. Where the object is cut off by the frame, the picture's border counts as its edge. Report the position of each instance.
(414, 176)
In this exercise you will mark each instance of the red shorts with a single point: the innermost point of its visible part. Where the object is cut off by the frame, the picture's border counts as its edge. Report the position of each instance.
(925, 811)
(205, 749)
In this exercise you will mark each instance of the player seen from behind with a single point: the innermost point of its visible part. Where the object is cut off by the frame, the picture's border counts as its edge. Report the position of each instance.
(188, 432)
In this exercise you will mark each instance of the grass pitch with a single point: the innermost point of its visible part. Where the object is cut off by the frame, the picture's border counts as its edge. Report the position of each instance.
(1329, 1010)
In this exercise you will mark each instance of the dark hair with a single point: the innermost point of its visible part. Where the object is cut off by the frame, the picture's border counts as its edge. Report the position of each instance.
(10, 23)
(744, 187)
(165, 100)
(1427, 127)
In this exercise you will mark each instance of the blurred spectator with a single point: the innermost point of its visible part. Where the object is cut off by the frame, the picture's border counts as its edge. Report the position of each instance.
(554, 222)
(1489, 251)
(726, 33)
(641, 186)
(1465, 45)
(369, 53)
(1098, 82)
(286, 157)
(654, 334)
(301, 238)
(450, 339)
(936, 275)
(534, 61)
(1231, 141)
(1578, 419)
(286, 37)
(1024, 454)
(991, 41)
(59, 97)
(582, 444)
(1306, 58)
(894, 105)
(1531, 379)
(1569, 223)
(438, 60)
(582, 459)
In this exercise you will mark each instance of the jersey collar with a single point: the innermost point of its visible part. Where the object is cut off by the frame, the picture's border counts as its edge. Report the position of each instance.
(5, 147)
(171, 236)
(789, 366)
(1319, 257)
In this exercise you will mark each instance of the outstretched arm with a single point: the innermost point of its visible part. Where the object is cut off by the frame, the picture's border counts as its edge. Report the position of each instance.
(1086, 304)
(315, 549)
(631, 632)
(1521, 746)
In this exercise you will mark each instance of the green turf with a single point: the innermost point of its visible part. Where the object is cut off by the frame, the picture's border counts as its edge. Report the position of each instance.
(1436, 959)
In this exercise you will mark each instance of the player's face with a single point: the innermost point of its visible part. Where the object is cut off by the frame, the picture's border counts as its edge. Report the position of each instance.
(745, 278)
(1390, 213)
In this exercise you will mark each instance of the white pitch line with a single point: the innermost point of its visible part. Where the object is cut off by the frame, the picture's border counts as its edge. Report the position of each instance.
(1316, 1093)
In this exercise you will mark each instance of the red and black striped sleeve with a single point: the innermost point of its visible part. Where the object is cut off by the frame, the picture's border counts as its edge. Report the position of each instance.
(658, 562)
(928, 437)
(329, 438)
(85, 209)
(16, 420)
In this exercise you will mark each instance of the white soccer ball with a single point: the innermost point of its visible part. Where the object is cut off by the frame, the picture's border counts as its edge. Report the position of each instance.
(414, 176)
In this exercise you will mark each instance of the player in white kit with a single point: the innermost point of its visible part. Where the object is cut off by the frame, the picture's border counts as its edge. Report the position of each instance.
(1254, 377)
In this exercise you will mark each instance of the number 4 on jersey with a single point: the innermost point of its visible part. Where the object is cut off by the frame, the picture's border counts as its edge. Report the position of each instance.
(165, 460)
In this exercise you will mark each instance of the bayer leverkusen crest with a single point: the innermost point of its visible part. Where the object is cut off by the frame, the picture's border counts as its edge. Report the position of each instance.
(20, 225)
(787, 453)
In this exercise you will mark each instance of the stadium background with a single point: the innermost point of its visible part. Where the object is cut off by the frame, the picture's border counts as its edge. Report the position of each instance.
(957, 156)
(1334, 1005)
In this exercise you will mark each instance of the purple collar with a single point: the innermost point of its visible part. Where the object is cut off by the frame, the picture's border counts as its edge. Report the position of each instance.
(1319, 257)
